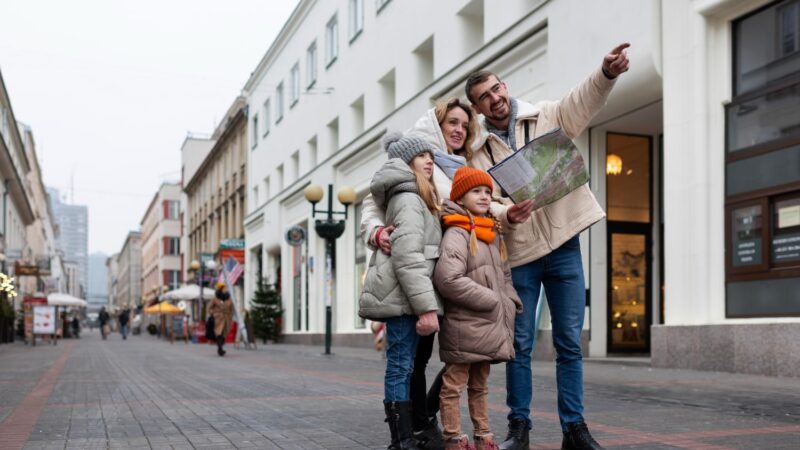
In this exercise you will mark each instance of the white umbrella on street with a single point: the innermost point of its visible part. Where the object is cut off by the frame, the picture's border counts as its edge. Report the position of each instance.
(61, 299)
(188, 292)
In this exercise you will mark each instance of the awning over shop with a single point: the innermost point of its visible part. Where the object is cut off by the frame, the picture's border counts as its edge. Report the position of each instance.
(61, 299)
(163, 308)
(189, 292)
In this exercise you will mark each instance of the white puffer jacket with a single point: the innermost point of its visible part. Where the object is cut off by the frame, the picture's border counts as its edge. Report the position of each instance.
(373, 217)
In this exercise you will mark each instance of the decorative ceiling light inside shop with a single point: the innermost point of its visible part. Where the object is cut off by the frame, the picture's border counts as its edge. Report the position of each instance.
(613, 164)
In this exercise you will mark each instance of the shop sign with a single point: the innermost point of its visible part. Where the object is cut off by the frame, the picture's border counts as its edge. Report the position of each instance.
(786, 248)
(231, 244)
(746, 236)
(25, 269)
(296, 236)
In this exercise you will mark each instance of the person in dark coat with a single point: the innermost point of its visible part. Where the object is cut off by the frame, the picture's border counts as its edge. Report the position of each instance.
(103, 318)
(123, 319)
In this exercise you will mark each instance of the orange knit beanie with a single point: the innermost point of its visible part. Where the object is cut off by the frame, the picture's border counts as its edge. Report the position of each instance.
(467, 178)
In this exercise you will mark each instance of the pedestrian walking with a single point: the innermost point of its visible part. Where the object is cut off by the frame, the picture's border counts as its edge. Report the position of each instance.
(123, 318)
(76, 327)
(221, 307)
(480, 305)
(103, 318)
(398, 288)
(552, 231)
(450, 126)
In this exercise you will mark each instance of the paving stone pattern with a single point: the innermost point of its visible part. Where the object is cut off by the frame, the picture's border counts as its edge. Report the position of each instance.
(145, 393)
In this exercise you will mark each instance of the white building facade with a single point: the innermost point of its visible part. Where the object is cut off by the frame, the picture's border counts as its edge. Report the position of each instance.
(659, 270)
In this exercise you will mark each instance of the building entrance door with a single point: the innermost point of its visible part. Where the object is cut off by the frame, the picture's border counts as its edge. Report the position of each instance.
(629, 242)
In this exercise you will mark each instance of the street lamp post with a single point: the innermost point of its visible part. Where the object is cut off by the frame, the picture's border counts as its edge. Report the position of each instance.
(196, 266)
(330, 230)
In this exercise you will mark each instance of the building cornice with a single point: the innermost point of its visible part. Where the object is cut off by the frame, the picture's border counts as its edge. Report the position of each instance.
(284, 36)
(236, 116)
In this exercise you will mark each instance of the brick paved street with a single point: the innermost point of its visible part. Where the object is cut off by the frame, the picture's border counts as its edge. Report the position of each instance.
(144, 393)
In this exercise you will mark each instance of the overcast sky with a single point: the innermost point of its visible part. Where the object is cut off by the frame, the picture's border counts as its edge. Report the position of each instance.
(110, 89)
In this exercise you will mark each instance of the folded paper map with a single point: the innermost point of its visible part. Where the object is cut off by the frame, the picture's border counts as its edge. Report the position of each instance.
(545, 170)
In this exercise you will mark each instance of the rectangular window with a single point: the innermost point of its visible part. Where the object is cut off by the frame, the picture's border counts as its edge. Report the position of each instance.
(331, 40)
(295, 75)
(788, 25)
(279, 103)
(267, 117)
(356, 18)
(765, 44)
(311, 65)
(762, 165)
(173, 279)
(172, 209)
(266, 188)
(255, 130)
(173, 246)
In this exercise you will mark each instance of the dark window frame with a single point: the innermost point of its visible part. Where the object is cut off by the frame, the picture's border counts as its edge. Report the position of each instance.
(764, 197)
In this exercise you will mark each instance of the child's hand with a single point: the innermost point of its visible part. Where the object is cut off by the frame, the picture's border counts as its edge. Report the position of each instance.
(427, 323)
(385, 241)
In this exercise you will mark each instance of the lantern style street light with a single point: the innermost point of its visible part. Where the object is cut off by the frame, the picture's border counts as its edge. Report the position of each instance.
(330, 230)
(196, 266)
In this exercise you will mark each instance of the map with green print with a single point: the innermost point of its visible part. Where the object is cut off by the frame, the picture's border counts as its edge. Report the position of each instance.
(545, 170)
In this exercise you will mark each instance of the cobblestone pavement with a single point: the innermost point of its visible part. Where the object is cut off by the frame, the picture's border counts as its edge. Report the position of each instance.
(145, 393)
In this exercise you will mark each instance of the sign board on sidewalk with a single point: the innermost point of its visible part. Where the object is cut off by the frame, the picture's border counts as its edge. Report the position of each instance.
(44, 320)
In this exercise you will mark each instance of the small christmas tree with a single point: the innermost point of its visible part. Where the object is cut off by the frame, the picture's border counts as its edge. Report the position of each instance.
(267, 312)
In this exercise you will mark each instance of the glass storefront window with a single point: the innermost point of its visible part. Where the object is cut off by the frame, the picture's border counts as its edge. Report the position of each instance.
(763, 119)
(766, 46)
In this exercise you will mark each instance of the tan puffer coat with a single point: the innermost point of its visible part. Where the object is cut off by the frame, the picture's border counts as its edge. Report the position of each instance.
(479, 300)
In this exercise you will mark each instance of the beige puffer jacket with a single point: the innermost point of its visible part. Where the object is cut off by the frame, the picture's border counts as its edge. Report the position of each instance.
(480, 302)
(551, 226)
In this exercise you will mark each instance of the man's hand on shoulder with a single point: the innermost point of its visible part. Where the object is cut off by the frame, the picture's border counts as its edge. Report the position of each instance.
(616, 62)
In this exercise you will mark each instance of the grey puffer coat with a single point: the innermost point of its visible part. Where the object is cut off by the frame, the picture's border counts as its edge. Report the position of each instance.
(400, 283)
(480, 303)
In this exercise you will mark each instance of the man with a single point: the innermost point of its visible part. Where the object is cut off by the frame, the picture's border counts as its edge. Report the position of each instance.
(543, 245)
(103, 318)
(124, 318)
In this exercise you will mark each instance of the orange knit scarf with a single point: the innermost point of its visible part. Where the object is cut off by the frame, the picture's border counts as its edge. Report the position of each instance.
(484, 226)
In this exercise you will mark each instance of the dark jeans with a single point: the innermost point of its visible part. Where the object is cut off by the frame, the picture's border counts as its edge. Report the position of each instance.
(401, 347)
(425, 403)
(561, 272)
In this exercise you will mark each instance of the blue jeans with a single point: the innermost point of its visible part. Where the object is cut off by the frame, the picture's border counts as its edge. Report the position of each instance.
(123, 330)
(561, 272)
(401, 346)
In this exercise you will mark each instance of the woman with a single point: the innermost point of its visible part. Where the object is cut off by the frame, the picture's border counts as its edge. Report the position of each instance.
(450, 126)
(398, 288)
(221, 307)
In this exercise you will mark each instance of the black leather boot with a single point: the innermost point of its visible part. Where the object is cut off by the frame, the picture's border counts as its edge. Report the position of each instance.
(387, 407)
(517, 438)
(399, 417)
(430, 437)
(577, 437)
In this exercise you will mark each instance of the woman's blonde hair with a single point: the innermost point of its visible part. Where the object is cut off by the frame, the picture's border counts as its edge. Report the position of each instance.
(444, 106)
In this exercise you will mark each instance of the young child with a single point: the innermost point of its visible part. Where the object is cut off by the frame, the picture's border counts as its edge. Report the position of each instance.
(398, 288)
(480, 304)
